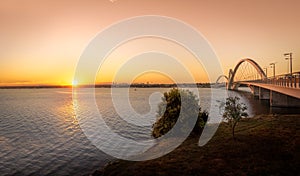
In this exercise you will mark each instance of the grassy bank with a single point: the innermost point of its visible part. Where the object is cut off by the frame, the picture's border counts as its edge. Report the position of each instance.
(265, 145)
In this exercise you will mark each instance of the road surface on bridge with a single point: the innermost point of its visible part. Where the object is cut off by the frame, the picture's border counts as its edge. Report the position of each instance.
(294, 92)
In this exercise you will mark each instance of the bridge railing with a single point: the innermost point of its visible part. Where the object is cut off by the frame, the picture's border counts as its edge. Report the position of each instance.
(286, 80)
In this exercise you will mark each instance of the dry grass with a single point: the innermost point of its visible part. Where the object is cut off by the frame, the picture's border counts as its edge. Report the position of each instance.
(265, 145)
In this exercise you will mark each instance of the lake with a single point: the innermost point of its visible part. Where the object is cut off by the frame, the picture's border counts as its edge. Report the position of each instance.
(40, 135)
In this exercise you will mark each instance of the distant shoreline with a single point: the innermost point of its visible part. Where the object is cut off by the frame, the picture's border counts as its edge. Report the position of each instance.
(183, 85)
(33, 87)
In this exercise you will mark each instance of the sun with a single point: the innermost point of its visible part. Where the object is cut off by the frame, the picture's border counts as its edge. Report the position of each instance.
(74, 83)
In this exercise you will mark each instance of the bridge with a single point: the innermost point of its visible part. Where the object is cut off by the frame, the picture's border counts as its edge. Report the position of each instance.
(280, 90)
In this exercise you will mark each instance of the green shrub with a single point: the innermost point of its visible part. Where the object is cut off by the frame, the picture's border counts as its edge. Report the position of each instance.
(169, 110)
(233, 112)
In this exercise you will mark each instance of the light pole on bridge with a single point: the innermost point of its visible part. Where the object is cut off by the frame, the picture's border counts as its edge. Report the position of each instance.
(273, 66)
(266, 71)
(289, 57)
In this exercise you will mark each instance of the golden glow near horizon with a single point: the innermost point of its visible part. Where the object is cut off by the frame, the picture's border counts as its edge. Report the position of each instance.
(133, 57)
(41, 41)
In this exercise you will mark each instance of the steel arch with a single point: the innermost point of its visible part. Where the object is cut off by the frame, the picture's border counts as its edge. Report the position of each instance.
(222, 76)
(253, 63)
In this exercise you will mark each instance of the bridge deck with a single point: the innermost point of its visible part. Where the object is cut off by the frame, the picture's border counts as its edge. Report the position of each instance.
(294, 92)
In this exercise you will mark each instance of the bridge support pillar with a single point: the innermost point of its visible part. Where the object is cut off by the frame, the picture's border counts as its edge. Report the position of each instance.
(281, 100)
(264, 94)
(255, 90)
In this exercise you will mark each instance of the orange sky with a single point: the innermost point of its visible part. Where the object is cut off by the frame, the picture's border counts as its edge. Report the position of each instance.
(42, 40)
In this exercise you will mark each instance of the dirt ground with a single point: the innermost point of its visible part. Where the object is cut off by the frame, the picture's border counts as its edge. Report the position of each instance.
(264, 145)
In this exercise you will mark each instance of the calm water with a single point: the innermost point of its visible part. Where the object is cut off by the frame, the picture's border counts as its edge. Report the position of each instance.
(39, 133)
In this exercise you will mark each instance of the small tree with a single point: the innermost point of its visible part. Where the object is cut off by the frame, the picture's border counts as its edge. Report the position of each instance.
(169, 110)
(234, 111)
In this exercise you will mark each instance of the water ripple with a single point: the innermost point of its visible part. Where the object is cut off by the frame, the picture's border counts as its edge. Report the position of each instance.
(39, 134)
